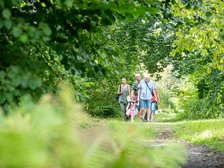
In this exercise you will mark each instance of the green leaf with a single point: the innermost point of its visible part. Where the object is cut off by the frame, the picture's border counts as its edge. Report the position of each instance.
(9, 97)
(24, 38)
(15, 2)
(204, 52)
(153, 10)
(6, 13)
(69, 3)
(2, 98)
(8, 24)
(43, 4)
(220, 67)
(33, 84)
(222, 35)
(45, 28)
(16, 31)
(34, 34)
(208, 14)
(188, 6)
(1, 24)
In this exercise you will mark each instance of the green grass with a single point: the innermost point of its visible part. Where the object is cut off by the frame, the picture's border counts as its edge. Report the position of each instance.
(206, 132)
(146, 128)
(165, 117)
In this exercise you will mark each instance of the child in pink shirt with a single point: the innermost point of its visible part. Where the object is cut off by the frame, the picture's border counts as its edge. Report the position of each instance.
(131, 108)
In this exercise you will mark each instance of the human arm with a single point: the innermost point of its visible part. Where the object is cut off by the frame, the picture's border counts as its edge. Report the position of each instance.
(132, 89)
(119, 90)
(132, 93)
(154, 93)
(156, 98)
(138, 98)
(157, 95)
(139, 92)
(128, 106)
(154, 89)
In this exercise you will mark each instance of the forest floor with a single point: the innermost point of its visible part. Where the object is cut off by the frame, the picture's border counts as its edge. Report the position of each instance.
(199, 156)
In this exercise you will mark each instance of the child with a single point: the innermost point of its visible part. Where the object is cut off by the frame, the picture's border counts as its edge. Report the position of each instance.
(131, 108)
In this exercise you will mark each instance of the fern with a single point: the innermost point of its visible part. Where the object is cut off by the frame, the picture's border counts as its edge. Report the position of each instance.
(51, 134)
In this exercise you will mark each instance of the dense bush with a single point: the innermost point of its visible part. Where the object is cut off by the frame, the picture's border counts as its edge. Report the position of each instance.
(101, 101)
(199, 101)
(105, 111)
(195, 109)
(199, 109)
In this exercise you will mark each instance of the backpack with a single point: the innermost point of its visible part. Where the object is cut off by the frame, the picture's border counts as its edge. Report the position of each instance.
(117, 95)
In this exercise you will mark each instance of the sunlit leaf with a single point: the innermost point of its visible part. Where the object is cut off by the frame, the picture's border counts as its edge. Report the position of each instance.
(153, 10)
(24, 38)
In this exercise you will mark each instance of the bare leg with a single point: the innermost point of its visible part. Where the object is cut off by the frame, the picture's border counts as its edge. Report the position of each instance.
(152, 111)
(122, 111)
(132, 118)
(152, 117)
(144, 112)
(141, 113)
(148, 114)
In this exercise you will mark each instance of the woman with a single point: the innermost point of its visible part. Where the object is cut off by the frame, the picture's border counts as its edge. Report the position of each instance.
(124, 92)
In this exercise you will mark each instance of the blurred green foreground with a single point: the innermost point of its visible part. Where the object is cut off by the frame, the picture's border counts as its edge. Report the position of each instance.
(57, 133)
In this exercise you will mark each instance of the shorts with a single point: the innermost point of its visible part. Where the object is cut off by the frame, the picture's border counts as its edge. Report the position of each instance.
(145, 104)
(153, 107)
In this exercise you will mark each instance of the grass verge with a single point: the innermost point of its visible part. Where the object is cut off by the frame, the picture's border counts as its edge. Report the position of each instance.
(205, 132)
(165, 117)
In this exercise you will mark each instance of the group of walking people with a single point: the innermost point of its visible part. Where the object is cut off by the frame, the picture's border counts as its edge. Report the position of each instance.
(140, 99)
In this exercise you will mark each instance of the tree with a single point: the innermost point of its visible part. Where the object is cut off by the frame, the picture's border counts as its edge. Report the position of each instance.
(43, 42)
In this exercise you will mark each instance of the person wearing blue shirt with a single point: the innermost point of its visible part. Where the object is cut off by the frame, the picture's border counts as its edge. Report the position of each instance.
(145, 93)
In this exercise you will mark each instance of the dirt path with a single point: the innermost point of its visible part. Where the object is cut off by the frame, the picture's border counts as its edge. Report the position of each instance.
(199, 156)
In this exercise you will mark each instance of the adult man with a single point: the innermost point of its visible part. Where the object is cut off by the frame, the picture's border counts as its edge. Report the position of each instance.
(145, 93)
(134, 89)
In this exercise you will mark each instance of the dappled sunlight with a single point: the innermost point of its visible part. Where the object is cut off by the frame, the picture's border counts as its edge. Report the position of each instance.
(203, 135)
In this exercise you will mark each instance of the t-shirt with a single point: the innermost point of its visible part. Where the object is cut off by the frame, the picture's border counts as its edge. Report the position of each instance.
(134, 87)
(154, 97)
(145, 92)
